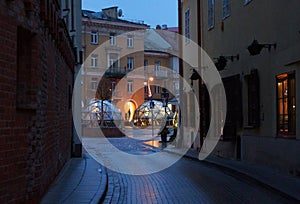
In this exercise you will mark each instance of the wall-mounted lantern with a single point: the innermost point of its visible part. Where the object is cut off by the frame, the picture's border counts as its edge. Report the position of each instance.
(255, 48)
(222, 61)
(195, 76)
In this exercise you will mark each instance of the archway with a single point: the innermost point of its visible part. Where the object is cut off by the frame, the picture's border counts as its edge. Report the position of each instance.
(129, 109)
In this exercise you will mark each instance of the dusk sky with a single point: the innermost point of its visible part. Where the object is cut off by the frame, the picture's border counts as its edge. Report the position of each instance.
(152, 12)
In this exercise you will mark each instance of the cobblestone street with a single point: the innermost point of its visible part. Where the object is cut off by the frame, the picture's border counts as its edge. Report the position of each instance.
(186, 181)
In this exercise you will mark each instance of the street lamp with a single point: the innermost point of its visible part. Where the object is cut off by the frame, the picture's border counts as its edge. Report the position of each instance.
(255, 47)
(151, 102)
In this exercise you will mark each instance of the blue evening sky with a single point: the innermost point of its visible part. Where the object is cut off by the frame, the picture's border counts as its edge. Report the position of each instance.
(152, 12)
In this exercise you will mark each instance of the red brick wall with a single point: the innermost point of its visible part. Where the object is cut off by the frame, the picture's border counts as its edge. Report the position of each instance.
(36, 71)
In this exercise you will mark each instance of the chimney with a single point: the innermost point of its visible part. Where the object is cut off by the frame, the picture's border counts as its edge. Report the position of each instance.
(111, 13)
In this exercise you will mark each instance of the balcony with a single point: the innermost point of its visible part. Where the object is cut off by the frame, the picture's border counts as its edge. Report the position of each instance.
(161, 74)
(115, 72)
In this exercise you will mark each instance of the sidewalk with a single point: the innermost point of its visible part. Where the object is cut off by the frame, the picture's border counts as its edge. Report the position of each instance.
(285, 185)
(82, 180)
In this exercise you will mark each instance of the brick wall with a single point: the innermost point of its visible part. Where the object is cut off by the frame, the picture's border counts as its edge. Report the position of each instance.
(36, 71)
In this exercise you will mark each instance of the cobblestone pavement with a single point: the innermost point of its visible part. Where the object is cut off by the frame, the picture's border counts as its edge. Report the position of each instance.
(187, 181)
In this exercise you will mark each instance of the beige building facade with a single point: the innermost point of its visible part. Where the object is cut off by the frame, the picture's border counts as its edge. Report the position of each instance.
(262, 88)
(119, 58)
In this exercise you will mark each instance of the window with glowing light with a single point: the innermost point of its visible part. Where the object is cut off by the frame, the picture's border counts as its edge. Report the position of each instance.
(286, 104)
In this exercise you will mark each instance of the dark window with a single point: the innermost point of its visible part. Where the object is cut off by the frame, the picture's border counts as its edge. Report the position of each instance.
(234, 115)
(286, 104)
(253, 99)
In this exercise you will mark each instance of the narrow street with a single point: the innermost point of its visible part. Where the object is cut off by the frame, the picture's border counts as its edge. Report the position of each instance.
(187, 181)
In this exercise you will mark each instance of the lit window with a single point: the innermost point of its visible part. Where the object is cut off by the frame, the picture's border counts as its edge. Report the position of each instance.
(286, 104)
(94, 37)
(226, 8)
(187, 24)
(211, 14)
(130, 63)
(130, 41)
(112, 39)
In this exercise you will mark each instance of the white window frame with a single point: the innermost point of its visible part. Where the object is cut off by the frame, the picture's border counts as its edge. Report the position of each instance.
(211, 14)
(130, 86)
(111, 61)
(226, 9)
(94, 61)
(94, 37)
(130, 41)
(187, 25)
(130, 63)
(94, 83)
(112, 39)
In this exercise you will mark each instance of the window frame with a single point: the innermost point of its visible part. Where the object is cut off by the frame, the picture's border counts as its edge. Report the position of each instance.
(187, 25)
(94, 61)
(226, 9)
(112, 39)
(94, 38)
(130, 42)
(211, 14)
(130, 86)
(94, 84)
(247, 2)
(290, 131)
(130, 63)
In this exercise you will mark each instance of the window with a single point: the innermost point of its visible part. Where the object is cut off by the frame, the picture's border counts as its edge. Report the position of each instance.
(253, 98)
(94, 83)
(157, 89)
(130, 86)
(130, 63)
(286, 104)
(112, 39)
(145, 89)
(113, 60)
(187, 25)
(226, 8)
(145, 65)
(113, 88)
(211, 14)
(157, 66)
(247, 2)
(130, 41)
(94, 61)
(94, 37)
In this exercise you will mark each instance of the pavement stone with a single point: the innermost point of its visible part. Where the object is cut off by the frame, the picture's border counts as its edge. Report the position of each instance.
(82, 180)
(289, 186)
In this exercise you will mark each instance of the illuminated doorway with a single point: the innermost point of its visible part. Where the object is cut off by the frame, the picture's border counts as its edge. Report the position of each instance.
(129, 109)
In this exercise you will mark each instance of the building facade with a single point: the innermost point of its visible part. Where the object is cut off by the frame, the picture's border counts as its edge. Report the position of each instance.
(37, 68)
(120, 57)
(260, 45)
